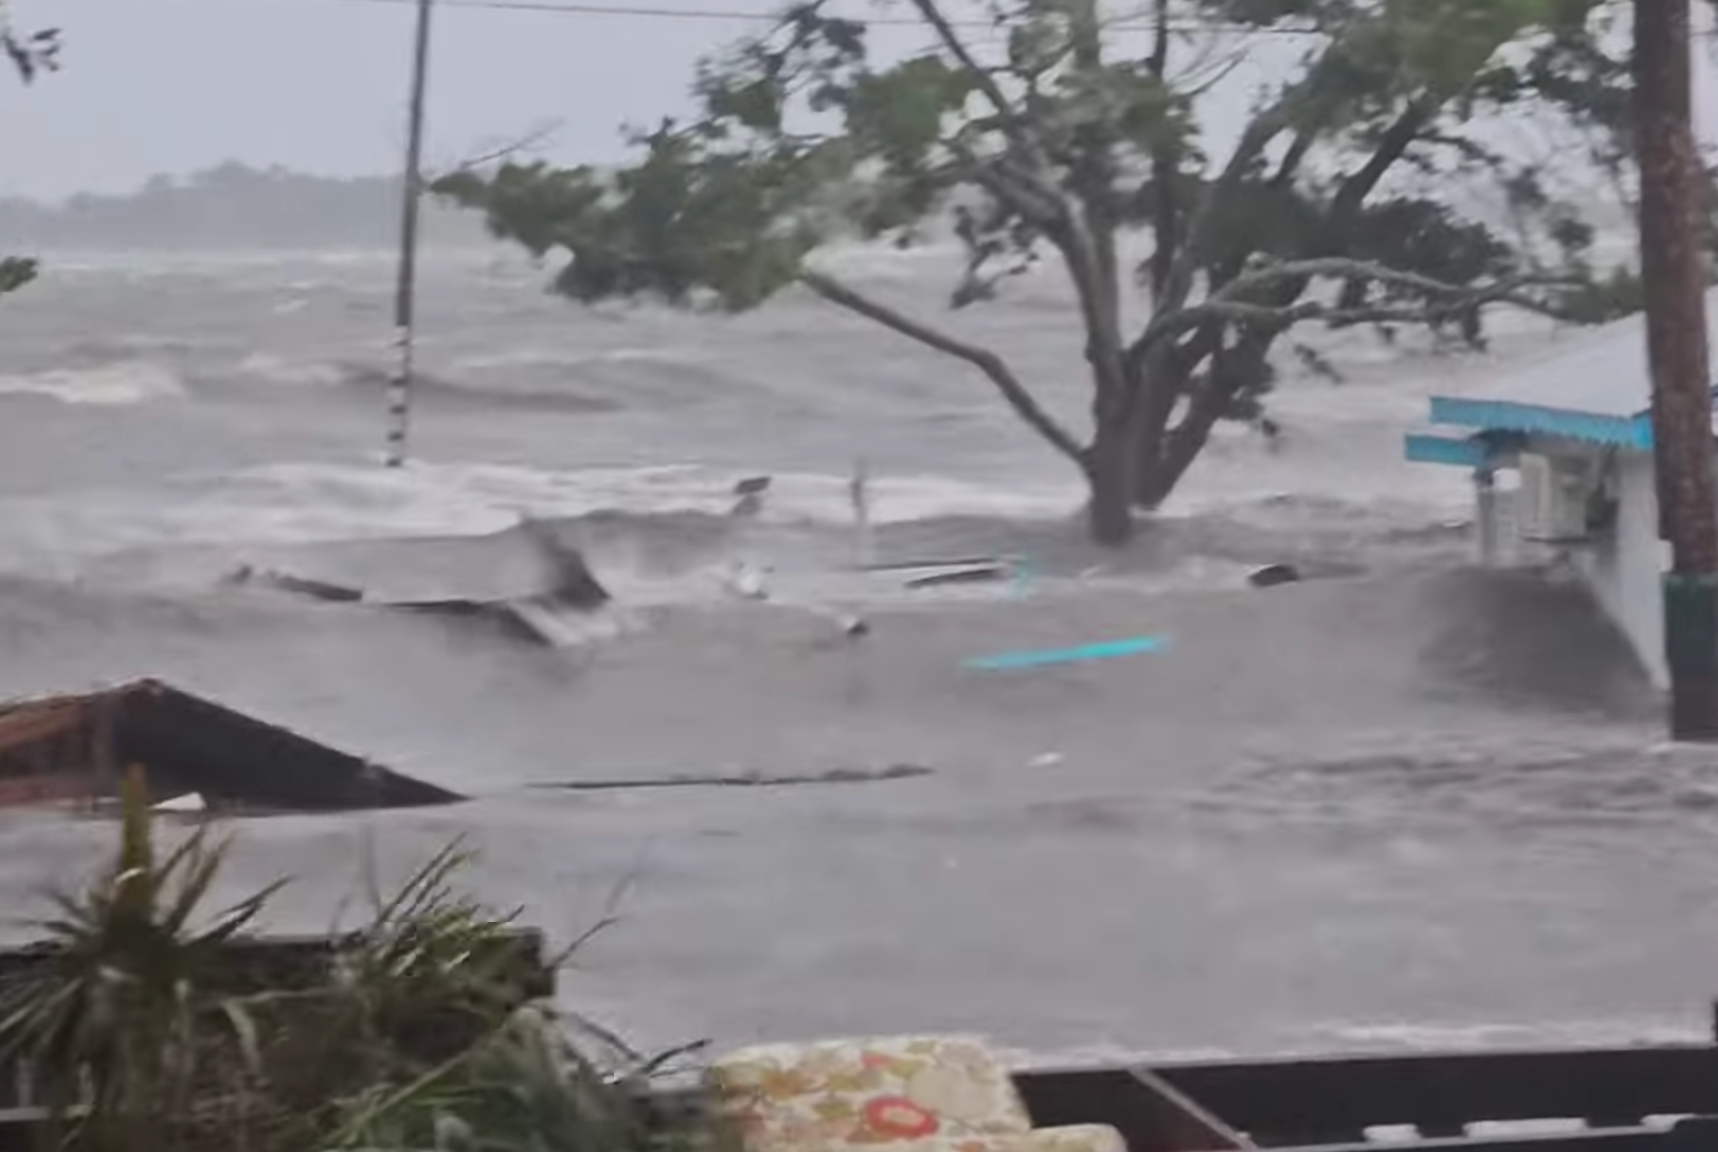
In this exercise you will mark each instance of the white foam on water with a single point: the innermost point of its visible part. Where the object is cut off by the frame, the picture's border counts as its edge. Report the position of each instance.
(320, 501)
(271, 369)
(1432, 1036)
(551, 358)
(303, 503)
(125, 382)
(1384, 1038)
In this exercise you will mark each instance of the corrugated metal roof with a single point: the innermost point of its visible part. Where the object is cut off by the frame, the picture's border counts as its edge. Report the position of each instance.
(1593, 386)
(1471, 412)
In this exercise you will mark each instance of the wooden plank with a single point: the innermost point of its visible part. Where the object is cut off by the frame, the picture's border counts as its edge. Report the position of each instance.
(1299, 1101)
(1150, 1115)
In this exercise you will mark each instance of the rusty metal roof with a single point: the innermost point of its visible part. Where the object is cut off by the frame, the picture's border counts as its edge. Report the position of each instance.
(186, 743)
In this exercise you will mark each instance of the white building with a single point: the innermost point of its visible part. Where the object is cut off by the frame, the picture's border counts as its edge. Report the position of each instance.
(1575, 424)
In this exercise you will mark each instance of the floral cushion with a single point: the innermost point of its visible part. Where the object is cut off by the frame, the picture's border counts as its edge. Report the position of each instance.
(797, 1096)
(1071, 1138)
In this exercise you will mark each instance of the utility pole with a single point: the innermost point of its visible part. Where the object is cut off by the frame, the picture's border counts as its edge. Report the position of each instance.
(1673, 270)
(405, 289)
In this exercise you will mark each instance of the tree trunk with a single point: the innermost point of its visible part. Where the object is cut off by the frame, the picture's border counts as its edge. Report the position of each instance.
(1673, 275)
(1156, 481)
(1109, 468)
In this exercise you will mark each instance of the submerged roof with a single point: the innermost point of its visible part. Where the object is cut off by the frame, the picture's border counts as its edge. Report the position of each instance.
(1594, 386)
(61, 747)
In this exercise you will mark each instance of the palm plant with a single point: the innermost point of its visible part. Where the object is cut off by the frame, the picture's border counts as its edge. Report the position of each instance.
(434, 970)
(142, 1032)
(111, 1022)
(540, 1083)
(430, 974)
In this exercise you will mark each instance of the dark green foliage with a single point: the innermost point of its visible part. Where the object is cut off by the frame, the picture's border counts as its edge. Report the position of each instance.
(30, 55)
(533, 1086)
(1056, 137)
(119, 1017)
(15, 272)
(141, 1031)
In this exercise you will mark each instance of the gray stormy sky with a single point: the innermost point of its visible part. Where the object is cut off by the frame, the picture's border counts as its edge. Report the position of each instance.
(318, 85)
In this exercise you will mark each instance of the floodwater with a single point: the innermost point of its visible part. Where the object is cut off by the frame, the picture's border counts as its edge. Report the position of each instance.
(1400, 803)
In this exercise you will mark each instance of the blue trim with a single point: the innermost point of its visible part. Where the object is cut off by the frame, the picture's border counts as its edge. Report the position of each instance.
(1420, 448)
(1617, 431)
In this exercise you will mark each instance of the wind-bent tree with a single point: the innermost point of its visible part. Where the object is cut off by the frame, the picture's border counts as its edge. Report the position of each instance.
(1037, 126)
(30, 55)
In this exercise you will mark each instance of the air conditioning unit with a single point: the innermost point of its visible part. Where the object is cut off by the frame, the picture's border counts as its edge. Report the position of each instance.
(1551, 504)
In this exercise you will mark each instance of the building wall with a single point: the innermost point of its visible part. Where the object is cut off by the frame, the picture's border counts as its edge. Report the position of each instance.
(1624, 567)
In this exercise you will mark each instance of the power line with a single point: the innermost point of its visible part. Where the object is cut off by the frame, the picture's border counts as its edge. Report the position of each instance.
(575, 8)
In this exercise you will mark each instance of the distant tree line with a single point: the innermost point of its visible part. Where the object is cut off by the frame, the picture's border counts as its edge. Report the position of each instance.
(232, 206)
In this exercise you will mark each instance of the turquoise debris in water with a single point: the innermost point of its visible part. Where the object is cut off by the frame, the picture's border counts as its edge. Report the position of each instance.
(1104, 650)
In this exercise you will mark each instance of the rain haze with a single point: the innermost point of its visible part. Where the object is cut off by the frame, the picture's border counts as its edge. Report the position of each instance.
(1400, 801)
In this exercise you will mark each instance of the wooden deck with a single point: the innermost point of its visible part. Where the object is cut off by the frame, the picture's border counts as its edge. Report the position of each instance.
(1607, 1100)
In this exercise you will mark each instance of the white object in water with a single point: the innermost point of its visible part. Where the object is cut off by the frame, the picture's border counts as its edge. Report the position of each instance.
(749, 581)
(558, 626)
(189, 802)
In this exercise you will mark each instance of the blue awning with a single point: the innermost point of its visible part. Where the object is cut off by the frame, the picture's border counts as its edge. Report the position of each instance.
(1469, 452)
(1617, 431)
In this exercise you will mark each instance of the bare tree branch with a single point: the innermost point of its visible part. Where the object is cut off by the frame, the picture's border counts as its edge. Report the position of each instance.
(1165, 216)
(1029, 193)
(1266, 126)
(524, 143)
(1294, 157)
(1010, 186)
(1343, 268)
(983, 359)
(1401, 133)
(1229, 306)
(1012, 123)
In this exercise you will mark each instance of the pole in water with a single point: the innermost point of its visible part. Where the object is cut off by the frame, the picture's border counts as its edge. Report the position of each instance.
(400, 385)
(858, 490)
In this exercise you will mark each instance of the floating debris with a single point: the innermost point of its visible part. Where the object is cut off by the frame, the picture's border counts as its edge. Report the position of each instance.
(749, 496)
(749, 780)
(937, 573)
(1105, 650)
(551, 617)
(246, 574)
(1273, 574)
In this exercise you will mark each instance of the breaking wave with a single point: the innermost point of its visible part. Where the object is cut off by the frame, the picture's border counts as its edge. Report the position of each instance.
(123, 382)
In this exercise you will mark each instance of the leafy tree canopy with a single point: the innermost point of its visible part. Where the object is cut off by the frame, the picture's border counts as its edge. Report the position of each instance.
(1036, 127)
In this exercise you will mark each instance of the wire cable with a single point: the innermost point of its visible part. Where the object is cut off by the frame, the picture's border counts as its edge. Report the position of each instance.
(579, 8)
